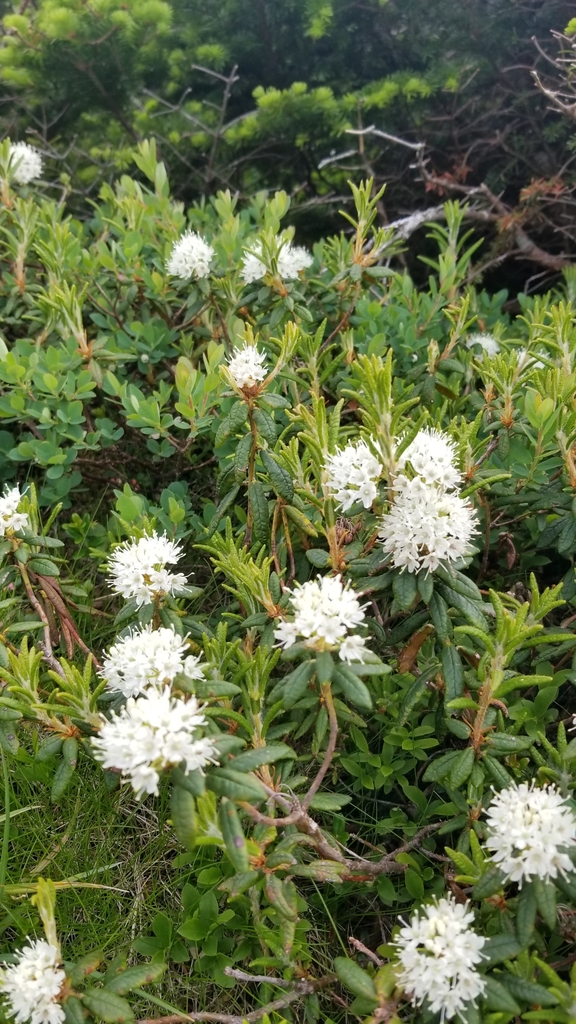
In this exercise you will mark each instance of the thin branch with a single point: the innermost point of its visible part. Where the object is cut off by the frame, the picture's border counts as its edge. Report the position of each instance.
(331, 747)
(299, 991)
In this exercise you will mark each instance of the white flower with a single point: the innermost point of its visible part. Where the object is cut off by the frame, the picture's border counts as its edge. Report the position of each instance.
(487, 343)
(291, 260)
(190, 256)
(426, 526)
(138, 569)
(25, 163)
(530, 831)
(247, 366)
(146, 658)
(353, 475)
(431, 455)
(31, 987)
(438, 953)
(10, 518)
(153, 732)
(324, 612)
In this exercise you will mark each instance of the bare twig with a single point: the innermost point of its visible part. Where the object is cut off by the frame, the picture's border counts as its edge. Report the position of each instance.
(299, 990)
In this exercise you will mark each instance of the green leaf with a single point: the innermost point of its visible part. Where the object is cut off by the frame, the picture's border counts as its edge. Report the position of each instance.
(498, 948)
(227, 500)
(491, 882)
(320, 870)
(469, 609)
(505, 743)
(329, 801)
(8, 738)
(107, 1006)
(414, 884)
(318, 558)
(453, 672)
(242, 457)
(74, 1014)
(545, 893)
(259, 506)
(461, 767)
(440, 617)
(248, 760)
(526, 914)
(194, 782)
(233, 835)
(62, 779)
(235, 785)
(496, 771)
(266, 426)
(497, 997)
(405, 589)
(183, 814)
(440, 767)
(135, 977)
(529, 991)
(279, 477)
(411, 698)
(296, 684)
(352, 687)
(355, 979)
(301, 521)
(44, 566)
(282, 896)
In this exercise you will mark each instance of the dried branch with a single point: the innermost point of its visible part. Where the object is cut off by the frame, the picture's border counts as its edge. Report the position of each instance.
(299, 990)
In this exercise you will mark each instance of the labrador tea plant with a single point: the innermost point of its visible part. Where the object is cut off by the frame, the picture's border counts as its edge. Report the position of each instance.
(286, 623)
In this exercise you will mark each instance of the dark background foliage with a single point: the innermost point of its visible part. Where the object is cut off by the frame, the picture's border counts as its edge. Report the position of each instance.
(251, 95)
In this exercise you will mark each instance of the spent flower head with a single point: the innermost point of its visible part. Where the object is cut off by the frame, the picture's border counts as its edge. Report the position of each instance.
(147, 657)
(247, 367)
(487, 343)
(190, 256)
(325, 614)
(25, 163)
(138, 569)
(431, 455)
(530, 832)
(30, 988)
(353, 474)
(426, 526)
(10, 517)
(438, 952)
(151, 733)
(291, 260)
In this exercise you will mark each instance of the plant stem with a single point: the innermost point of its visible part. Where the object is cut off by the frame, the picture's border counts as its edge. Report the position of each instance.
(329, 705)
(6, 836)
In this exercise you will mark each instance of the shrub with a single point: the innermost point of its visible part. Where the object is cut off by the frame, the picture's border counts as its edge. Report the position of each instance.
(288, 586)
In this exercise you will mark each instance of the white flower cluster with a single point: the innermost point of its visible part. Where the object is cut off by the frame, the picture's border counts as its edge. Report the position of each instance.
(487, 343)
(247, 366)
(151, 733)
(530, 831)
(147, 657)
(190, 256)
(138, 569)
(438, 953)
(353, 474)
(324, 613)
(431, 455)
(31, 987)
(428, 523)
(291, 260)
(10, 518)
(25, 163)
